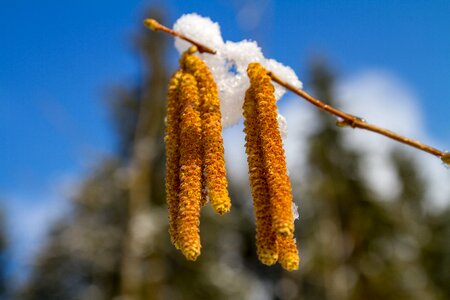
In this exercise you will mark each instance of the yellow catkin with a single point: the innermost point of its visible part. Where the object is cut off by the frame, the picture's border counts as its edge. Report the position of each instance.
(172, 140)
(272, 148)
(214, 162)
(288, 253)
(190, 170)
(266, 242)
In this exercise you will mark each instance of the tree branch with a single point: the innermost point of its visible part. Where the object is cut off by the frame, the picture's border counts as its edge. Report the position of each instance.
(346, 120)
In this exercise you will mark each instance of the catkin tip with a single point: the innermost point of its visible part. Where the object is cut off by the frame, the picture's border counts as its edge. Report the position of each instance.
(266, 245)
(288, 253)
(191, 253)
(291, 264)
(268, 257)
(221, 203)
(223, 209)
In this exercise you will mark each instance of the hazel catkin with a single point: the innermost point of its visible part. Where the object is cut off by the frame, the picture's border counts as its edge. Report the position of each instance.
(194, 148)
(266, 242)
(191, 169)
(196, 166)
(271, 189)
(172, 140)
(212, 141)
(272, 148)
(287, 253)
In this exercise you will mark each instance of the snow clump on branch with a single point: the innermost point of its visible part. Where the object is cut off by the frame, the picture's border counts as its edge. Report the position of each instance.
(229, 65)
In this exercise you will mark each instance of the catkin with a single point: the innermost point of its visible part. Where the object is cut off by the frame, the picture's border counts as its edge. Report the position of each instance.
(287, 253)
(266, 242)
(191, 169)
(196, 166)
(214, 162)
(272, 148)
(269, 181)
(172, 140)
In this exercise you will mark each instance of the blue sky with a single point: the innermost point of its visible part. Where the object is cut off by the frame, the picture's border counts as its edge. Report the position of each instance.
(58, 59)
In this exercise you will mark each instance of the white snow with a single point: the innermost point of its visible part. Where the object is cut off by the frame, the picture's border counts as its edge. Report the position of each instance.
(229, 65)
(295, 211)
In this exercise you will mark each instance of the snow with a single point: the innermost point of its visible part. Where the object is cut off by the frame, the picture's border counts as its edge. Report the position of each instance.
(295, 211)
(229, 65)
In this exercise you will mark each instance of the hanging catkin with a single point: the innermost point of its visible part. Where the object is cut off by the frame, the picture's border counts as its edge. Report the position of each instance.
(287, 253)
(196, 166)
(266, 246)
(270, 183)
(191, 168)
(272, 148)
(172, 140)
(195, 163)
(214, 161)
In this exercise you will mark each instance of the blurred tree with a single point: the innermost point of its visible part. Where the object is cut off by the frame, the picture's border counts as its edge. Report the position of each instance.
(435, 254)
(144, 166)
(351, 239)
(82, 257)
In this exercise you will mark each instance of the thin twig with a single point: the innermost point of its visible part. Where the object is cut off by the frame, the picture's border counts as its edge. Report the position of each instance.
(356, 122)
(345, 118)
(154, 25)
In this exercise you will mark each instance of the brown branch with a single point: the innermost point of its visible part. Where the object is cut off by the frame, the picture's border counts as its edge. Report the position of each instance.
(357, 122)
(345, 118)
(154, 25)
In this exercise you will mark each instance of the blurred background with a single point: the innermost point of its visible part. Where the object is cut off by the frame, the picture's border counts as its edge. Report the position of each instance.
(82, 200)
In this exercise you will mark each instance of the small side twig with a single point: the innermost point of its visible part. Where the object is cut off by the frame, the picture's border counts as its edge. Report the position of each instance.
(346, 120)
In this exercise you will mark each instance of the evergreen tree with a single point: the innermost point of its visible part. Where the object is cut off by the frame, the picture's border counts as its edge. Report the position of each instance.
(348, 235)
(435, 253)
(82, 257)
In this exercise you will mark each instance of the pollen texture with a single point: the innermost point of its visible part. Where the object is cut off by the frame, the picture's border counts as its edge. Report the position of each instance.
(191, 169)
(172, 140)
(272, 148)
(271, 189)
(214, 161)
(195, 165)
(266, 246)
(288, 253)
